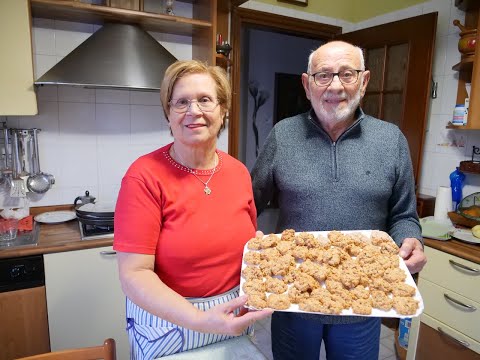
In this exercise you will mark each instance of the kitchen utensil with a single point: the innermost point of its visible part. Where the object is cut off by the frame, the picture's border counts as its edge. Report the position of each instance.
(17, 188)
(39, 182)
(98, 210)
(87, 199)
(98, 222)
(55, 217)
(6, 168)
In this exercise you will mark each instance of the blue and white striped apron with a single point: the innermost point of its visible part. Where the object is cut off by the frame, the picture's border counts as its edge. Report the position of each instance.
(151, 337)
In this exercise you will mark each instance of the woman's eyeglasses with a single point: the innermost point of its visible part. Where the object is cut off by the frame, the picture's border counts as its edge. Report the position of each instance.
(205, 104)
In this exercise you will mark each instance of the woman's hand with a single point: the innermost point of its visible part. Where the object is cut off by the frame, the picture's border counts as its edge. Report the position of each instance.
(222, 320)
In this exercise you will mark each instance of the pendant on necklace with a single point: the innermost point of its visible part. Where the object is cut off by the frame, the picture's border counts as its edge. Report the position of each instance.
(207, 190)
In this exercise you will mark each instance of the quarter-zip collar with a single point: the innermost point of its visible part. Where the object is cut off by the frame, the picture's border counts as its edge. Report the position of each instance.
(352, 129)
(359, 116)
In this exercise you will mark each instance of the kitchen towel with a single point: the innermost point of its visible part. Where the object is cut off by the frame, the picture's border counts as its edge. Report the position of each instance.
(443, 204)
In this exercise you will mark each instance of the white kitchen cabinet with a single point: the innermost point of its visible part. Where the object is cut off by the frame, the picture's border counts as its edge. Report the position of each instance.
(449, 288)
(84, 299)
(17, 93)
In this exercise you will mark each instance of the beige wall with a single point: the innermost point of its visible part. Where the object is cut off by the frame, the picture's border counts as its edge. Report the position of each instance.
(349, 10)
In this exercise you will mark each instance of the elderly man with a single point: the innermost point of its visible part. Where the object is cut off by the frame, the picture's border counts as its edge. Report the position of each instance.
(337, 168)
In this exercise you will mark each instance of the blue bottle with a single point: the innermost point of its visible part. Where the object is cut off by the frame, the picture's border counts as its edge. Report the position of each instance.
(456, 183)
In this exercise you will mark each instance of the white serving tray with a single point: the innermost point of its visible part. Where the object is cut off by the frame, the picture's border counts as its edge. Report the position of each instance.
(349, 312)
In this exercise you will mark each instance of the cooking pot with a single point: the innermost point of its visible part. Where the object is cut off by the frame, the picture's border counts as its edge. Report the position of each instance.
(82, 200)
(467, 41)
(96, 211)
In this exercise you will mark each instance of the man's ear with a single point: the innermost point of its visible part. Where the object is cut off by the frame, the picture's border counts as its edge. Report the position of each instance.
(366, 79)
(306, 85)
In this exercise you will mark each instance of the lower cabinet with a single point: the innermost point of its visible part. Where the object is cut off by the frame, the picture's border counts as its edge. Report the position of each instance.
(84, 299)
(24, 325)
(449, 326)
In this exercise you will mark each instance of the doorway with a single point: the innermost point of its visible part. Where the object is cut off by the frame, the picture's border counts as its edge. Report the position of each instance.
(282, 45)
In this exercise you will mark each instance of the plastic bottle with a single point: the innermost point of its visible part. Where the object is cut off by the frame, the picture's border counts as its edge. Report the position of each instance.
(404, 332)
(456, 183)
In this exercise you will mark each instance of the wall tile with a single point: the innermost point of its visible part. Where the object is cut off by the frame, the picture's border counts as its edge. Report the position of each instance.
(77, 123)
(436, 105)
(113, 162)
(458, 14)
(75, 94)
(68, 35)
(443, 7)
(440, 55)
(449, 93)
(179, 46)
(147, 124)
(43, 40)
(47, 93)
(110, 96)
(145, 97)
(473, 139)
(43, 63)
(108, 193)
(46, 120)
(112, 122)
(80, 166)
(453, 55)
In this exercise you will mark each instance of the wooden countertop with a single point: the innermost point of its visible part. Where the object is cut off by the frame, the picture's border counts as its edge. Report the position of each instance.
(56, 238)
(458, 248)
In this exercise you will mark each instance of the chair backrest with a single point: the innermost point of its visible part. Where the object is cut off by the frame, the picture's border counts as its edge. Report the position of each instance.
(106, 351)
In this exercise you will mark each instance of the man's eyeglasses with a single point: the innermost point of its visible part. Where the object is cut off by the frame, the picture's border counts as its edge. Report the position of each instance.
(181, 106)
(346, 77)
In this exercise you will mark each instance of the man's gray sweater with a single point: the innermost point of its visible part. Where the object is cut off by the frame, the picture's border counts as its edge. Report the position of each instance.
(362, 181)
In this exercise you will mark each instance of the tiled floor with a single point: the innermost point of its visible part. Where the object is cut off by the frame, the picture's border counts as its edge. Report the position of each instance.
(262, 340)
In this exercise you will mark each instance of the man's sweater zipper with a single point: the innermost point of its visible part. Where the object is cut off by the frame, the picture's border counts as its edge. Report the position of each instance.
(334, 161)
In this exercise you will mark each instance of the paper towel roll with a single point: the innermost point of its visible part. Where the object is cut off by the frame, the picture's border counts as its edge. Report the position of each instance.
(443, 203)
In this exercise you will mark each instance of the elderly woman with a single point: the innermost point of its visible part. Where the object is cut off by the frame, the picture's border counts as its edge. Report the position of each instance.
(183, 216)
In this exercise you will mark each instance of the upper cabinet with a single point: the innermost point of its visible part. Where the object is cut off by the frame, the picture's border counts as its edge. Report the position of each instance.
(469, 66)
(201, 26)
(17, 94)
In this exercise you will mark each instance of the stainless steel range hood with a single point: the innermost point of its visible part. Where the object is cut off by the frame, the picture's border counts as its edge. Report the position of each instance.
(116, 56)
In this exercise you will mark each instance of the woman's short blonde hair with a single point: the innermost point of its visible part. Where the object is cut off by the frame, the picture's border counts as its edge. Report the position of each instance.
(182, 68)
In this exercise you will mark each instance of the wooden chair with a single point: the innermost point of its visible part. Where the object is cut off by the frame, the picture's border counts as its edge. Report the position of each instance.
(106, 351)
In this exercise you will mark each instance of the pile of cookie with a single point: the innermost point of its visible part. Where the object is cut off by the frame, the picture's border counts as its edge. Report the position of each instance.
(327, 274)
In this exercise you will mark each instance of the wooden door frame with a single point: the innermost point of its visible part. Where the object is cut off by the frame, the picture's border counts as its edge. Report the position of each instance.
(272, 22)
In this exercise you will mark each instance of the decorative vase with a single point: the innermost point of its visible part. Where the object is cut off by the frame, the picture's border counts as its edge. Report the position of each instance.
(467, 41)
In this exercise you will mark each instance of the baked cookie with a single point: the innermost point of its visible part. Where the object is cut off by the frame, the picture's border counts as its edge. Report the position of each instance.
(275, 285)
(251, 272)
(279, 302)
(405, 305)
(252, 258)
(257, 300)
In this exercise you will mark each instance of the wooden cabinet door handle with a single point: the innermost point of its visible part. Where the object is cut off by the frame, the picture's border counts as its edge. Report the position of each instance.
(108, 253)
(464, 267)
(459, 303)
(461, 342)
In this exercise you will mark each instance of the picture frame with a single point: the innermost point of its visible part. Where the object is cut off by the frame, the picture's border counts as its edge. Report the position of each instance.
(295, 2)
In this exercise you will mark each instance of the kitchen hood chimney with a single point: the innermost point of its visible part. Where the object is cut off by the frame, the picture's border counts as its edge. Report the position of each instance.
(117, 56)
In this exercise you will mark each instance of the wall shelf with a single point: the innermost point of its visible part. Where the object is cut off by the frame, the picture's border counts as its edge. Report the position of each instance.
(465, 65)
(80, 12)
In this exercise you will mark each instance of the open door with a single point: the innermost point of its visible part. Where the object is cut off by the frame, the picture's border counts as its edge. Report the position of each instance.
(399, 56)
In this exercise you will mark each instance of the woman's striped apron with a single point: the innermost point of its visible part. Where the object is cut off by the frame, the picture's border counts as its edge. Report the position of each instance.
(151, 337)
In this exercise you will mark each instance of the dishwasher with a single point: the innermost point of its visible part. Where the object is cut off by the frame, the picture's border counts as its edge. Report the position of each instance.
(23, 307)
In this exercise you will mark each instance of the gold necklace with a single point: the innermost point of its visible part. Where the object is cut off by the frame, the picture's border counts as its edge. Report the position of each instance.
(206, 189)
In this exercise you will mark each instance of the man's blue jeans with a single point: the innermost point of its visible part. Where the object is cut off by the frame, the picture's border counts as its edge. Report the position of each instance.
(297, 338)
